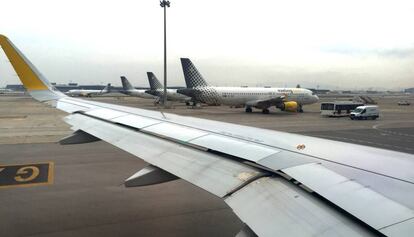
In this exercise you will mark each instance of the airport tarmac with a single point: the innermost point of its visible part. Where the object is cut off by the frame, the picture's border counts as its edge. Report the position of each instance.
(87, 197)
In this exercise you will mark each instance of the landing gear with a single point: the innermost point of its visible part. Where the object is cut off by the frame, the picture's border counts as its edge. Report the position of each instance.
(265, 111)
(248, 110)
(300, 110)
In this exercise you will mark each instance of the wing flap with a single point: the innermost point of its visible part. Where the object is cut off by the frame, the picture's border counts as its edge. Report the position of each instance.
(273, 206)
(358, 200)
(403, 229)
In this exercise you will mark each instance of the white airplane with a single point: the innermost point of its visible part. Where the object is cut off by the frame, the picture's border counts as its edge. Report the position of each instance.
(157, 89)
(89, 93)
(128, 89)
(277, 183)
(5, 91)
(286, 99)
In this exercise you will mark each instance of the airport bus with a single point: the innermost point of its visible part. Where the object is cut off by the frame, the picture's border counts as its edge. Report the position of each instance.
(338, 108)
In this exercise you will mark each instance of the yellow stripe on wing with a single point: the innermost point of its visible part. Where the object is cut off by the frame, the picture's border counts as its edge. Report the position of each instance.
(23, 68)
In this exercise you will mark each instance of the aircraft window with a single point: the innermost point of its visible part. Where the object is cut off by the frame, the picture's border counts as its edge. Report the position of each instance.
(327, 107)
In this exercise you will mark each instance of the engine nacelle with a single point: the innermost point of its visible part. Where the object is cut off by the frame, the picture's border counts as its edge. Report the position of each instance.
(290, 106)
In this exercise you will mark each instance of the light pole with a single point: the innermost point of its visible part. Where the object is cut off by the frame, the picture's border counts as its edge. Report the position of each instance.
(164, 4)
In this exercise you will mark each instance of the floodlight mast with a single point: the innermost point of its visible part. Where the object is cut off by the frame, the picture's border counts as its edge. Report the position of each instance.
(164, 4)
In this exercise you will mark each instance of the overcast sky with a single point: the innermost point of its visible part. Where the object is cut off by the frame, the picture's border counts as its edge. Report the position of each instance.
(331, 43)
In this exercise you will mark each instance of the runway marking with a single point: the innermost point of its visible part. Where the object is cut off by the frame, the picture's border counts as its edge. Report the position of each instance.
(376, 127)
(26, 175)
(13, 117)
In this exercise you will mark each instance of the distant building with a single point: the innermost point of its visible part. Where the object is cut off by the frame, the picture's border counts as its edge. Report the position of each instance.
(409, 90)
(16, 87)
(319, 91)
(76, 86)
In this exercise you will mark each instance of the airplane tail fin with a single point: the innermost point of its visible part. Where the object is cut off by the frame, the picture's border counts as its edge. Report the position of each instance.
(192, 76)
(125, 84)
(107, 88)
(154, 82)
(34, 82)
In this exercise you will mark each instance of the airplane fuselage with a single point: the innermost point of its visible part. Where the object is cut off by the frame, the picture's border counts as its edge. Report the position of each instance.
(84, 92)
(242, 96)
(172, 95)
(138, 93)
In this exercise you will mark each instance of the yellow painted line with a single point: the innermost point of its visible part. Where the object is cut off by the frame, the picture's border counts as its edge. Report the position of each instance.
(51, 175)
(26, 74)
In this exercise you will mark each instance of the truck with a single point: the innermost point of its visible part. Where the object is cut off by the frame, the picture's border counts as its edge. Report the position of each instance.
(365, 112)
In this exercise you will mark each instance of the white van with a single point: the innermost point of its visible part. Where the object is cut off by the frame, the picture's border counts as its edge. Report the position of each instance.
(365, 112)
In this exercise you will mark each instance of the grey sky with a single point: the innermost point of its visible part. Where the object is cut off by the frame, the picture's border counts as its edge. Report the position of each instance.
(331, 43)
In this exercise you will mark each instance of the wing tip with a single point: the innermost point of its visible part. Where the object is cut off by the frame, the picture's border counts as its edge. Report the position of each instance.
(33, 81)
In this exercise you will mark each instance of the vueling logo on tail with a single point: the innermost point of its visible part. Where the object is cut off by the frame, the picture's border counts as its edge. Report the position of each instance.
(192, 76)
(154, 82)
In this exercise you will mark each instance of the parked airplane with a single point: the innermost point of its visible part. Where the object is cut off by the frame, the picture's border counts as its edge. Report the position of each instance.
(286, 99)
(157, 89)
(277, 183)
(128, 89)
(89, 93)
(5, 91)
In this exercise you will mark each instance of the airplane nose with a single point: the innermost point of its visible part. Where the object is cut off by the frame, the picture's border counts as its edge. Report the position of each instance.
(316, 98)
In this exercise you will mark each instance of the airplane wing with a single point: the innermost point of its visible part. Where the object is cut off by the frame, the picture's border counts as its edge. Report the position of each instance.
(264, 104)
(278, 184)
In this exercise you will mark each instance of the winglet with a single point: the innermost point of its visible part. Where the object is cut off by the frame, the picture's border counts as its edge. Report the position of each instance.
(192, 76)
(34, 82)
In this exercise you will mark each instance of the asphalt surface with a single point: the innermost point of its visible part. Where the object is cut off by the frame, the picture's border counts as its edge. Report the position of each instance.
(398, 139)
(87, 197)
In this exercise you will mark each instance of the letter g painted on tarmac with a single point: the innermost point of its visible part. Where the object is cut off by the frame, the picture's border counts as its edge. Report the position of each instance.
(22, 172)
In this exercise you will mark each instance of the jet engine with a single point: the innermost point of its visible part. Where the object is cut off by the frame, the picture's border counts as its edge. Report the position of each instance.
(290, 106)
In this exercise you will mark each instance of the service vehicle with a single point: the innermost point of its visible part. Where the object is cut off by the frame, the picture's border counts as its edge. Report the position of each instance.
(365, 112)
(338, 108)
(404, 102)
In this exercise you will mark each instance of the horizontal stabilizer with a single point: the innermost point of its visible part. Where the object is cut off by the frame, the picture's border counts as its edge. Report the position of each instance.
(148, 176)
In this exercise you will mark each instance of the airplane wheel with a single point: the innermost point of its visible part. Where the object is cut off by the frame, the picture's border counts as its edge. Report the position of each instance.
(265, 111)
(249, 110)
